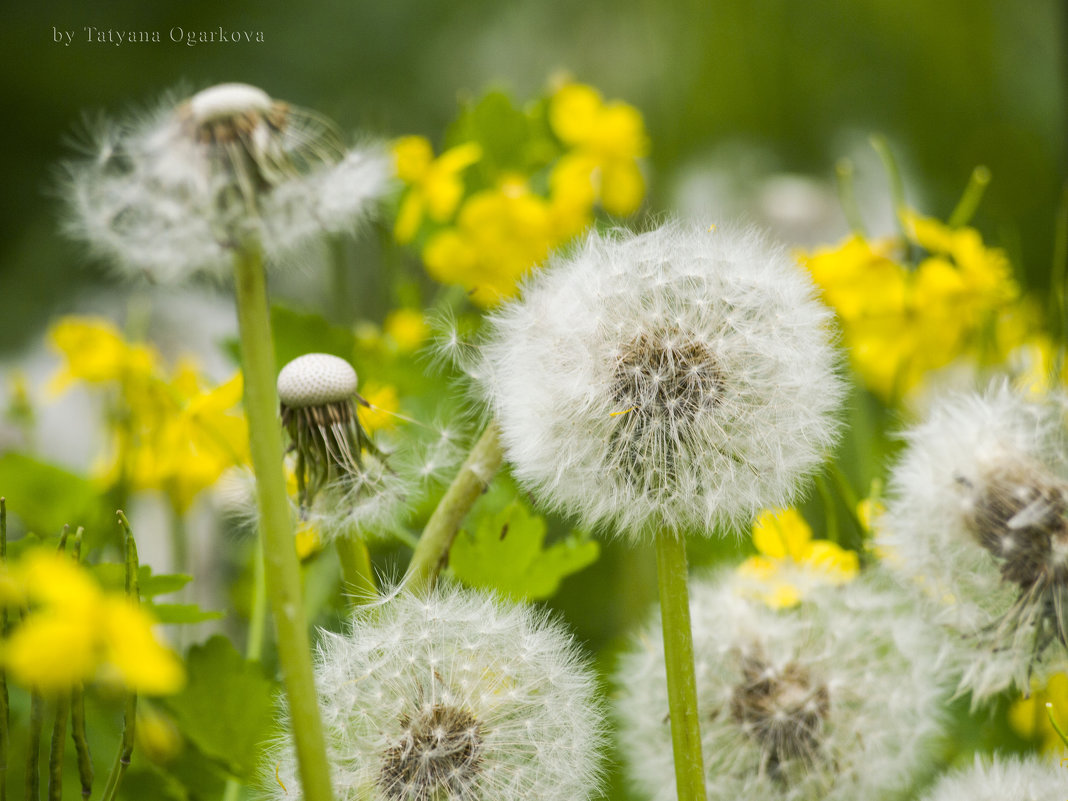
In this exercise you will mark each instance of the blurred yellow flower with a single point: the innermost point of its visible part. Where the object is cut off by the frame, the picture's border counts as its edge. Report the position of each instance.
(156, 735)
(95, 352)
(383, 408)
(902, 321)
(407, 328)
(1029, 718)
(74, 632)
(435, 186)
(309, 541)
(606, 141)
(500, 234)
(790, 561)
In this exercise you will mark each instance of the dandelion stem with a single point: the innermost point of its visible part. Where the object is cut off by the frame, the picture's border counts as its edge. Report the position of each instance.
(282, 569)
(33, 778)
(969, 201)
(830, 511)
(356, 575)
(55, 753)
(843, 171)
(678, 656)
(897, 188)
(432, 551)
(129, 712)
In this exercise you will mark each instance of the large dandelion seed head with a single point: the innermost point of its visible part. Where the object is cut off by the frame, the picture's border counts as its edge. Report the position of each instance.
(455, 697)
(1018, 778)
(174, 192)
(681, 378)
(977, 521)
(834, 699)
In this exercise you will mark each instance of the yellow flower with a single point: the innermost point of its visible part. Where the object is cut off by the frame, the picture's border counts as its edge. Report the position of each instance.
(156, 735)
(790, 561)
(435, 185)
(406, 327)
(383, 408)
(500, 234)
(74, 632)
(309, 541)
(1029, 718)
(901, 322)
(95, 352)
(606, 140)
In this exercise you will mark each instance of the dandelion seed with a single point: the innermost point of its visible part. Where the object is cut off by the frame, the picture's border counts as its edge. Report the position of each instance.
(176, 192)
(978, 520)
(1018, 778)
(675, 379)
(835, 698)
(456, 697)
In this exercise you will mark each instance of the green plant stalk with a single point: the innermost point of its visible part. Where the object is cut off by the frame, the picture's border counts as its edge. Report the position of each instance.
(129, 712)
(81, 743)
(55, 753)
(830, 511)
(671, 573)
(33, 748)
(897, 189)
(973, 195)
(357, 577)
(282, 569)
(432, 550)
(843, 171)
(5, 705)
(257, 621)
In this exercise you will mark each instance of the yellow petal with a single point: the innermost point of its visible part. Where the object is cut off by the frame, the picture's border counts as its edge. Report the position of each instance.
(51, 651)
(133, 651)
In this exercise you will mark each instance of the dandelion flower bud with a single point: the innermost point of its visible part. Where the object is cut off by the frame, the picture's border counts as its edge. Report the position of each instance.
(335, 461)
(455, 697)
(680, 379)
(834, 699)
(1018, 778)
(174, 192)
(978, 521)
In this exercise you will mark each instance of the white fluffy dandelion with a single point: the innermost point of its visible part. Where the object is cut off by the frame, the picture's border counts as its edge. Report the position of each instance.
(455, 697)
(835, 699)
(176, 191)
(1021, 779)
(345, 484)
(977, 521)
(678, 379)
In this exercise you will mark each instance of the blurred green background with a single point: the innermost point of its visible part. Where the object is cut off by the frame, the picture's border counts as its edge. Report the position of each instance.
(953, 84)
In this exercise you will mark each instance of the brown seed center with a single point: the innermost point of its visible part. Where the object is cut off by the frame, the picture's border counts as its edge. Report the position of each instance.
(439, 750)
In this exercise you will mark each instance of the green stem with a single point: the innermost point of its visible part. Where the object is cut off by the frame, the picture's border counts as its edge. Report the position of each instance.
(897, 188)
(679, 661)
(969, 201)
(276, 524)
(5, 706)
(55, 753)
(847, 199)
(81, 744)
(33, 748)
(357, 577)
(432, 551)
(257, 622)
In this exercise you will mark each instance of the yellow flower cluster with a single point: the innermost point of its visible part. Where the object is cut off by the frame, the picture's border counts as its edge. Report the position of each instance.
(75, 632)
(170, 430)
(1029, 718)
(487, 237)
(790, 561)
(902, 321)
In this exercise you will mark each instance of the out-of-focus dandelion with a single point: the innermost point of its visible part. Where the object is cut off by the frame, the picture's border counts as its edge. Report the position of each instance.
(74, 632)
(790, 561)
(976, 519)
(681, 379)
(1001, 777)
(176, 191)
(455, 696)
(835, 698)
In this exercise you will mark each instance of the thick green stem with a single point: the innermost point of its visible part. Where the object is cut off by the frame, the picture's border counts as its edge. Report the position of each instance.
(969, 201)
(282, 569)
(678, 656)
(432, 552)
(55, 753)
(357, 577)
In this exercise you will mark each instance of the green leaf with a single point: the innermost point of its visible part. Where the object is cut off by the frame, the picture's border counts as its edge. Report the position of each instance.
(297, 333)
(113, 576)
(505, 552)
(227, 707)
(46, 497)
(180, 613)
(503, 131)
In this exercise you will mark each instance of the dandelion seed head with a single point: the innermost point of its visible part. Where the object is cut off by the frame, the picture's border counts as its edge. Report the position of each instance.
(977, 522)
(679, 378)
(837, 698)
(435, 699)
(997, 778)
(174, 192)
(316, 379)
